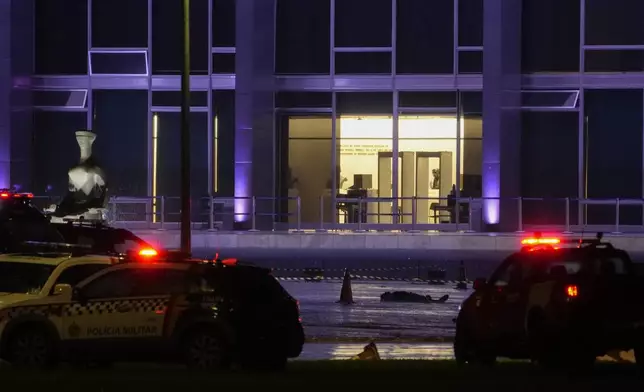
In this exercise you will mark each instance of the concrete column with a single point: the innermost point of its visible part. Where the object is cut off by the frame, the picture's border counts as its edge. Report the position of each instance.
(5, 93)
(16, 48)
(254, 107)
(501, 113)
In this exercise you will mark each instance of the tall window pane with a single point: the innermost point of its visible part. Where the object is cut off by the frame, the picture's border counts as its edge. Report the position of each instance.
(303, 37)
(61, 37)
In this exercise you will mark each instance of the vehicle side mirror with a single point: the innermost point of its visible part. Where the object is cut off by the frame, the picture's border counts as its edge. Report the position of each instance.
(63, 289)
(479, 284)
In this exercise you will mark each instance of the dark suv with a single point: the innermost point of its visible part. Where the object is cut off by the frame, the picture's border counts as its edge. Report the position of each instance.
(557, 302)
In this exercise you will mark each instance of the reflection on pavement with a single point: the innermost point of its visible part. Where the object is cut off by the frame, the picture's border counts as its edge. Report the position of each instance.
(320, 351)
(369, 318)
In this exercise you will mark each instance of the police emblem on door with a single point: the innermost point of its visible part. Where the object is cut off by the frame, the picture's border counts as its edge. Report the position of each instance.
(74, 330)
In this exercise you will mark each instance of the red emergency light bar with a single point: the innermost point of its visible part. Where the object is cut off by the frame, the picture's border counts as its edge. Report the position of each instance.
(148, 252)
(8, 195)
(540, 241)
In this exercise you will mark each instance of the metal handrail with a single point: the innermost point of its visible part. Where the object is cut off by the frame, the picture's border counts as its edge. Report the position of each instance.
(160, 213)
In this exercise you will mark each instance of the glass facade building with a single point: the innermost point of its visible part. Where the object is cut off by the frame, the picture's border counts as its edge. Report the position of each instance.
(525, 113)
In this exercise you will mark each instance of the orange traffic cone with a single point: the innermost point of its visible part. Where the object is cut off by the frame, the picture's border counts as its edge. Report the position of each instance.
(370, 353)
(346, 293)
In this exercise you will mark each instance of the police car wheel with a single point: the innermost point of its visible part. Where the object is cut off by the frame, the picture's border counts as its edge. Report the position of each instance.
(204, 350)
(31, 348)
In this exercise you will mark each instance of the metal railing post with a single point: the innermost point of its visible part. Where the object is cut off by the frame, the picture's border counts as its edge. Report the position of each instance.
(567, 230)
(414, 214)
(321, 228)
(298, 228)
(360, 214)
(470, 219)
(520, 215)
(617, 204)
(162, 212)
(211, 213)
(253, 214)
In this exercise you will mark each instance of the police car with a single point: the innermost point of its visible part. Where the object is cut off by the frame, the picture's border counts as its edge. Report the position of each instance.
(150, 307)
(557, 302)
(21, 221)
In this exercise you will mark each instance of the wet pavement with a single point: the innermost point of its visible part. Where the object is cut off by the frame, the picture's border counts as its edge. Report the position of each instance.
(433, 351)
(368, 318)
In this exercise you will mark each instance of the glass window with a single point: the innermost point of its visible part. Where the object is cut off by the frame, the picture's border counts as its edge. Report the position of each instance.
(425, 36)
(118, 113)
(512, 275)
(608, 112)
(223, 63)
(470, 62)
(167, 41)
(119, 23)
(471, 148)
(364, 156)
(77, 273)
(223, 23)
(555, 135)
(23, 278)
(167, 130)
(306, 167)
(55, 150)
(363, 23)
(136, 283)
(550, 36)
(76, 99)
(363, 63)
(470, 22)
(303, 37)
(118, 63)
(614, 61)
(173, 98)
(224, 141)
(427, 149)
(61, 37)
(297, 99)
(611, 22)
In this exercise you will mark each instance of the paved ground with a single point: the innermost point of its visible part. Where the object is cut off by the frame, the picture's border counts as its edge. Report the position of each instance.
(369, 318)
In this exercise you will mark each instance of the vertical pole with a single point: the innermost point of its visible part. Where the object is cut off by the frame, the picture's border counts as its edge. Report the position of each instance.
(567, 216)
(520, 215)
(186, 246)
(617, 203)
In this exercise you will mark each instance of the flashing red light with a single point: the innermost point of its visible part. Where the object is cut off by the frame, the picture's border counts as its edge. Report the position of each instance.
(5, 195)
(540, 241)
(572, 291)
(229, 262)
(29, 195)
(148, 252)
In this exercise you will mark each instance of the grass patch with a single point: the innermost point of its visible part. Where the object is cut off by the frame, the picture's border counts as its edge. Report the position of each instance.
(325, 375)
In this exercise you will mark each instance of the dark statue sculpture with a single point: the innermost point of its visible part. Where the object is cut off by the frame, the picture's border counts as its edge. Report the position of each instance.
(86, 197)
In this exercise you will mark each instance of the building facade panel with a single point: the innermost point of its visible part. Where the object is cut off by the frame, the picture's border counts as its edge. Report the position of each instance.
(250, 139)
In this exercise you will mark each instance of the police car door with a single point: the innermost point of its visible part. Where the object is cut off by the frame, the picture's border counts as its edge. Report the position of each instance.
(116, 313)
(506, 299)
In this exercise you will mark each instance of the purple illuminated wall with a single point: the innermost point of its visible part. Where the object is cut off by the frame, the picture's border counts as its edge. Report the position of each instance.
(16, 59)
(5, 93)
(501, 112)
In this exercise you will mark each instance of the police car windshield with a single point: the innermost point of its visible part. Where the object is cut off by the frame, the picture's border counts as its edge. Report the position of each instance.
(23, 278)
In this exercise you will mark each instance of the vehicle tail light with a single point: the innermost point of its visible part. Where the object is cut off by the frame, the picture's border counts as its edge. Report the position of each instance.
(572, 291)
(4, 195)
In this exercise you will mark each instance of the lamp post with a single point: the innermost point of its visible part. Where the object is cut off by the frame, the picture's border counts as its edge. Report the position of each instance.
(186, 246)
